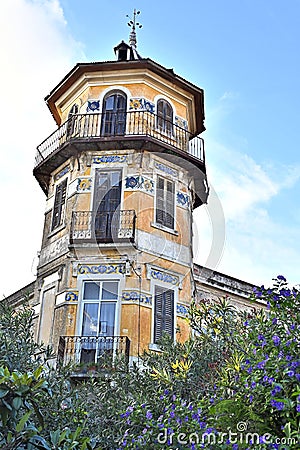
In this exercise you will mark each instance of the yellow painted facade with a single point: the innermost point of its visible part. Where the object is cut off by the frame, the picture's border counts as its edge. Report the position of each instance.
(121, 184)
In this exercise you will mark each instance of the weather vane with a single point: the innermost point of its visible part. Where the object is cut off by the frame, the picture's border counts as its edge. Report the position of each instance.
(133, 24)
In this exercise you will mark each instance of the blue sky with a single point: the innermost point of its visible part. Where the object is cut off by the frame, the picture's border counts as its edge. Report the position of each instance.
(243, 53)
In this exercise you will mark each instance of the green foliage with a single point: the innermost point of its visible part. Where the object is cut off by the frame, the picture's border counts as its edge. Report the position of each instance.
(238, 369)
(18, 351)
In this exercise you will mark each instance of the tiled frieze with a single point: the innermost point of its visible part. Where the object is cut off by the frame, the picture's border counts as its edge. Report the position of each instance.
(136, 297)
(140, 103)
(139, 183)
(109, 159)
(182, 199)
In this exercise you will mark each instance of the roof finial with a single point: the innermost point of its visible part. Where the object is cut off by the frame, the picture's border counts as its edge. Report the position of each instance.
(132, 23)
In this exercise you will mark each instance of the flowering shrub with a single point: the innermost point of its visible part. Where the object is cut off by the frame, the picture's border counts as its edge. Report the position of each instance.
(267, 385)
(250, 397)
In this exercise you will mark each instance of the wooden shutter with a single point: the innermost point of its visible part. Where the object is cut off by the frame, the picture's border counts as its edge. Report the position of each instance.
(163, 313)
(165, 202)
(158, 314)
(59, 205)
(164, 116)
(169, 312)
(169, 204)
(160, 200)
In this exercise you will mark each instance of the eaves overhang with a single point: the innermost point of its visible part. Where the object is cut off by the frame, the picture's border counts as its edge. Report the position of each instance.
(143, 64)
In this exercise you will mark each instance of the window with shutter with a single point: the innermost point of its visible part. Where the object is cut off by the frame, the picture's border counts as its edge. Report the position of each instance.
(71, 119)
(165, 202)
(59, 205)
(164, 116)
(114, 114)
(164, 313)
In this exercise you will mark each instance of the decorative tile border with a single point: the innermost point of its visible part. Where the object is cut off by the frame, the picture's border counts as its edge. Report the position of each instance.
(84, 184)
(62, 173)
(180, 122)
(182, 310)
(160, 275)
(93, 105)
(136, 183)
(71, 296)
(182, 199)
(107, 159)
(140, 103)
(166, 169)
(135, 297)
(107, 269)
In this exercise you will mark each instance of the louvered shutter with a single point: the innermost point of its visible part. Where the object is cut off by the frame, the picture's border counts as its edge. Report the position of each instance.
(169, 312)
(59, 205)
(169, 205)
(160, 200)
(158, 314)
(164, 313)
(165, 202)
(160, 114)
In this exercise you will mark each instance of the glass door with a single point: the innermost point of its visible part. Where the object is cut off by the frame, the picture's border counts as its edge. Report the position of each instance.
(114, 114)
(107, 198)
(98, 320)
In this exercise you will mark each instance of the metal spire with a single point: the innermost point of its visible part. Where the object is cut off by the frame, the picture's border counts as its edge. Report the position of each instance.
(133, 24)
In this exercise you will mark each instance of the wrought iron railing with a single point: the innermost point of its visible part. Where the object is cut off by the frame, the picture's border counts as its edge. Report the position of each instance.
(107, 226)
(98, 126)
(103, 351)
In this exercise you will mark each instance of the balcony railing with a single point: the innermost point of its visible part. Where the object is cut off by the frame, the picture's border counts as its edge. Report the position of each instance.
(107, 226)
(103, 351)
(101, 127)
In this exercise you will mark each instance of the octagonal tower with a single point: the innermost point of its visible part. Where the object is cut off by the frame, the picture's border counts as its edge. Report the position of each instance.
(122, 174)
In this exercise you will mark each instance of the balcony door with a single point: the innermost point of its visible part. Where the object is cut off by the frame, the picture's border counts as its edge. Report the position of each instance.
(114, 114)
(99, 304)
(106, 206)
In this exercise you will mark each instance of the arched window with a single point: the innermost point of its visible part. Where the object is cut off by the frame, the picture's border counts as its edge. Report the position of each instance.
(71, 119)
(164, 116)
(114, 114)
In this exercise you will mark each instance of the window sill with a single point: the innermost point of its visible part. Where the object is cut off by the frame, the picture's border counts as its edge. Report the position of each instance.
(164, 228)
(155, 348)
(56, 230)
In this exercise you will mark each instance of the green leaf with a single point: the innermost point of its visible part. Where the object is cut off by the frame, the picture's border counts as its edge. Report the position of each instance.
(38, 372)
(3, 392)
(17, 403)
(20, 425)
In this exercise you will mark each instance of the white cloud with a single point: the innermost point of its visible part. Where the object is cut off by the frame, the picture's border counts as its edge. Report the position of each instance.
(36, 52)
(229, 95)
(258, 246)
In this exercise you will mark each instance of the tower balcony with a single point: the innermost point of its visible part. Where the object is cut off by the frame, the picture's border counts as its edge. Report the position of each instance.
(105, 227)
(122, 130)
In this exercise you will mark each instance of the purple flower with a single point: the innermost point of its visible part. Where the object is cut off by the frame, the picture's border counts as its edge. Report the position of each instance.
(274, 321)
(275, 390)
(278, 405)
(290, 373)
(281, 278)
(261, 364)
(148, 415)
(298, 408)
(276, 339)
